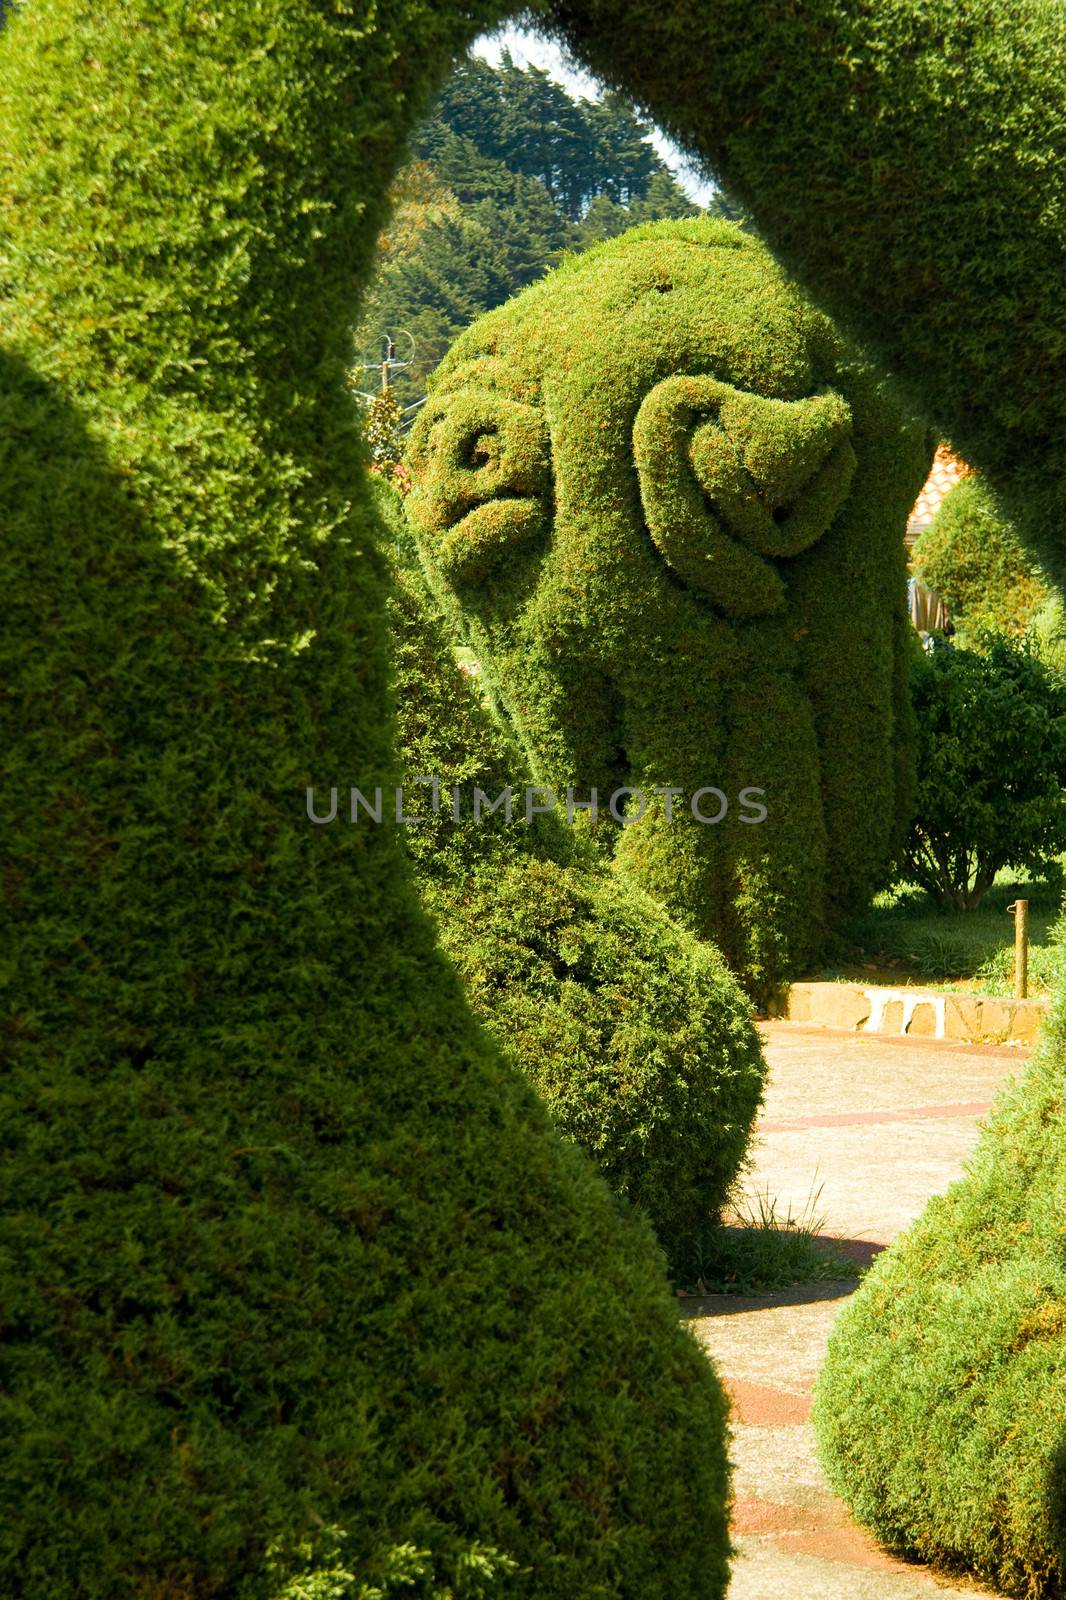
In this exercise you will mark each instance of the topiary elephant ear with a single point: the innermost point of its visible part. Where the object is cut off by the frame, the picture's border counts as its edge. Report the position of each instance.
(672, 529)
(764, 478)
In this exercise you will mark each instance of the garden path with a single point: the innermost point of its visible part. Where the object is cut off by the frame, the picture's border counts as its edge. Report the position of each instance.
(877, 1125)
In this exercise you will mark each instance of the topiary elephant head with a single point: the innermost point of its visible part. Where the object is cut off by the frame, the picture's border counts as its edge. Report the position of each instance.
(666, 504)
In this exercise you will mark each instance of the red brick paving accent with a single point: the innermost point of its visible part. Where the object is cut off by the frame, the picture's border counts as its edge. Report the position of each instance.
(844, 1542)
(858, 1119)
(825, 1531)
(757, 1403)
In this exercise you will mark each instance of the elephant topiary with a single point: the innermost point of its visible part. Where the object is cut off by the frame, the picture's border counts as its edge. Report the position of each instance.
(666, 505)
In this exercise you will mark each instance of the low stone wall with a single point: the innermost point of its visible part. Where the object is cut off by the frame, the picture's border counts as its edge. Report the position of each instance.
(973, 1018)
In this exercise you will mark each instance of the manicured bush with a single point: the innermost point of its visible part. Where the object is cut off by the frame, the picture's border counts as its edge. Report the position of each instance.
(287, 1246)
(941, 1410)
(637, 1038)
(972, 556)
(991, 769)
(665, 504)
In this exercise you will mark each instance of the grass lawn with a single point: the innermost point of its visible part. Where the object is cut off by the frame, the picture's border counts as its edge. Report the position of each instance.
(906, 938)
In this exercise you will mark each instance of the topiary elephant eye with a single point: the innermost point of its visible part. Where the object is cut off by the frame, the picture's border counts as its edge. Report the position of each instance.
(729, 478)
(482, 471)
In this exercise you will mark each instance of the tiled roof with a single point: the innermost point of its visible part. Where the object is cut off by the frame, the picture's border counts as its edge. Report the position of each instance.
(943, 475)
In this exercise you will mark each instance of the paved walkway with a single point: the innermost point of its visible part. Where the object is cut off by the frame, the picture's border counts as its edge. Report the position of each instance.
(878, 1125)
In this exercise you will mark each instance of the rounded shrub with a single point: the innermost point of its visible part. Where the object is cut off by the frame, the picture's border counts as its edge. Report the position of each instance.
(941, 1410)
(638, 1040)
(972, 556)
(665, 505)
(296, 1277)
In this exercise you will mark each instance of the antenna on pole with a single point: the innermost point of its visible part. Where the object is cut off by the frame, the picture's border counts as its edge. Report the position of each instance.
(389, 363)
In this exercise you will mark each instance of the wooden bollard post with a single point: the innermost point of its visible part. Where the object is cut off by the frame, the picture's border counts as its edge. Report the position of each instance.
(1021, 948)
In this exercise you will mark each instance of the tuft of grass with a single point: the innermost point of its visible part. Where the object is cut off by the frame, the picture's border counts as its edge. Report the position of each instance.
(757, 1245)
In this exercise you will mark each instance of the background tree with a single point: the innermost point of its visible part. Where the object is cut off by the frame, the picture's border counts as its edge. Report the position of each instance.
(509, 173)
(991, 768)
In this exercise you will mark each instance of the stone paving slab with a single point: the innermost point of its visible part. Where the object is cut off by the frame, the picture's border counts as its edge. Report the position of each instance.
(877, 1125)
(883, 1124)
(818, 1073)
(874, 1180)
(762, 1572)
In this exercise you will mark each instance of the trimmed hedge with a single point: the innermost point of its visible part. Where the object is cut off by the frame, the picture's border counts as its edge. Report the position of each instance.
(972, 556)
(287, 1247)
(636, 1037)
(665, 504)
(940, 1410)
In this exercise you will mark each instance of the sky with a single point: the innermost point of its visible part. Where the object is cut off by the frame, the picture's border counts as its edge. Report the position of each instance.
(527, 49)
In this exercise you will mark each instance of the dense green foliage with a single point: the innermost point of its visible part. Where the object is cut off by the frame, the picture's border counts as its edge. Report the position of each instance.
(991, 768)
(972, 556)
(191, 202)
(665, 505)
(636, 1037)
(287, 1246)
(941, 1407)
(509, 173)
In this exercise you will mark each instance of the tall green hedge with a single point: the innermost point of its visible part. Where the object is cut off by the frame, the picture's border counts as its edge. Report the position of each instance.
(213, 1012)
(638, 1040)
(666, 506)
(287, 1246)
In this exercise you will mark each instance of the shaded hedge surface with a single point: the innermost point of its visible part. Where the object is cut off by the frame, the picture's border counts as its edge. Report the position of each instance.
(637, 1038)
(665, 505)
(941, 1410)
(287, 1246)
(972, 556)
(907, 162)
